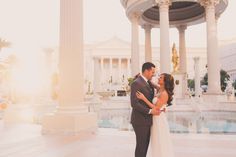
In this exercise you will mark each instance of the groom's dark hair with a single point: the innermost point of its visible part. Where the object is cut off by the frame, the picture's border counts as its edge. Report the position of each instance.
(147, 66)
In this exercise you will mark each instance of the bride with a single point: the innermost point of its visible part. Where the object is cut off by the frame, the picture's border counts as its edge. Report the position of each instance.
(161, 144)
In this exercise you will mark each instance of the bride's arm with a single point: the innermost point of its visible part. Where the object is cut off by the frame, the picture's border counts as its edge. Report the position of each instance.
(160, 102)
(142, 97)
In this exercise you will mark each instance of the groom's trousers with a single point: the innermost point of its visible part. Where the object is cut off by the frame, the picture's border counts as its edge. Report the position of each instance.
(142, 140)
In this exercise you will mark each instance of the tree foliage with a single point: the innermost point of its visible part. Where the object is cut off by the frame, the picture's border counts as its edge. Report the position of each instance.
(191, 84)
(234, 84)
(224, 76)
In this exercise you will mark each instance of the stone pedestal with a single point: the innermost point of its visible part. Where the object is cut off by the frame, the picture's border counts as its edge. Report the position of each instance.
(214, 99)
(18, 114)
(180, 80)
(69, 123)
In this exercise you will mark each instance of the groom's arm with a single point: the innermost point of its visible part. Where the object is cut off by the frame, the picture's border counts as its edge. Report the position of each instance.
(135, 101)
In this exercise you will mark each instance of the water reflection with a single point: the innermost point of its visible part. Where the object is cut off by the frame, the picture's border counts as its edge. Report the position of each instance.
(179, 121)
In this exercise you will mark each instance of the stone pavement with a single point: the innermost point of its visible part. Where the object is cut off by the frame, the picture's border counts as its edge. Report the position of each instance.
(25, 140)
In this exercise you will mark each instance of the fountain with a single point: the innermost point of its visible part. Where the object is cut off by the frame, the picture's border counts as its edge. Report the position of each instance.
(105, 94)
(229, 90)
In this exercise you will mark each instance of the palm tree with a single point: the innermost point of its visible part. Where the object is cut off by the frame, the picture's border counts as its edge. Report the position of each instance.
(4, 43)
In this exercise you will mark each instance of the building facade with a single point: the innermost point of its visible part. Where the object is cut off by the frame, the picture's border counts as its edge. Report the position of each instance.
(228, 57)
(107, 63)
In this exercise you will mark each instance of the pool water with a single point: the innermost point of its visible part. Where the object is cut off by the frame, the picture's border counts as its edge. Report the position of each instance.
(214, 122)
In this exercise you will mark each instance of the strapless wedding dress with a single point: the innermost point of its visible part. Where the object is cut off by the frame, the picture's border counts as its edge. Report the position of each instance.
(161, 143)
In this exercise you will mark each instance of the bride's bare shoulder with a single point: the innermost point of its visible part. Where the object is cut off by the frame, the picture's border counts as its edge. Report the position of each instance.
(163, 95)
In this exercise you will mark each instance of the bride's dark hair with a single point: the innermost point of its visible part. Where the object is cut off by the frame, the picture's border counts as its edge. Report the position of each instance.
(169, 87)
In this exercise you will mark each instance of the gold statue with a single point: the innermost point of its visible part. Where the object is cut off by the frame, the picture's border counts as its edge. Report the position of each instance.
(175, 59)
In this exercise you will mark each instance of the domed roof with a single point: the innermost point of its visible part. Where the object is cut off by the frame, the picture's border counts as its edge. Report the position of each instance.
(181, 12)
(178, 11)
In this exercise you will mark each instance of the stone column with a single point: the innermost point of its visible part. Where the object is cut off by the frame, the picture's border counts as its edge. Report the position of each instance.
(128, 67)
(213, 60)
(102, 69)
(96, 75)
(119, 70)
(110, 68)
(135, 65)
(182, 49)
(148, 45)
(183, 57)
(217, 19)
(197, 77)
(72, 115)
(165, 60)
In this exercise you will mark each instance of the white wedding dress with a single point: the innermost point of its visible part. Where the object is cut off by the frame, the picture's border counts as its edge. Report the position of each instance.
(161, 143)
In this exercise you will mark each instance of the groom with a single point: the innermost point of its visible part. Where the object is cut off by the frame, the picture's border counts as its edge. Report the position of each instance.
(141, 117)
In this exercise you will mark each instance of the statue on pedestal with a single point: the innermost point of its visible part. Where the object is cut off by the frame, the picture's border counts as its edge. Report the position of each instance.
(175, 59)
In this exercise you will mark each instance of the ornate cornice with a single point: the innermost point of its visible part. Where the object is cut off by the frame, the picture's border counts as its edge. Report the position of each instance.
(181, 12)
(163, 2)
(207, 3)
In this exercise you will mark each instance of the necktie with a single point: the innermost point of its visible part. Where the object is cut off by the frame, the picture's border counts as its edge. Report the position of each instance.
(149, 83)
(151, 87)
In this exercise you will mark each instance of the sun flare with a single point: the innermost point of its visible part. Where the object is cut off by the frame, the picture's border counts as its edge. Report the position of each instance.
(30, 76)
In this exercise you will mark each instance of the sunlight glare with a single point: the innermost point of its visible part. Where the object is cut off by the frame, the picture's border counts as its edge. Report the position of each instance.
(28, 77)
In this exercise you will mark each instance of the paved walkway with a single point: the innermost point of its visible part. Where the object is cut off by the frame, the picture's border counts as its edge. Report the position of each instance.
(27, 141)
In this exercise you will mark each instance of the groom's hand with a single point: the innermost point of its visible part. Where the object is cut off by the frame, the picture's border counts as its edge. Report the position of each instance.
(155, 111)
(163, 110)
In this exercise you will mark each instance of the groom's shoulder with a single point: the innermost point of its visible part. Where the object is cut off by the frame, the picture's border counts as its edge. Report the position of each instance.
(137, 81)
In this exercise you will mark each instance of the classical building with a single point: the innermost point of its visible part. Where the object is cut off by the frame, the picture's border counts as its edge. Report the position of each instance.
(107, 63)
(228, 57)
(110, 59)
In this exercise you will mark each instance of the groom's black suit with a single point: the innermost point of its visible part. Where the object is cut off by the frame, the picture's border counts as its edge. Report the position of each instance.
(140, 117)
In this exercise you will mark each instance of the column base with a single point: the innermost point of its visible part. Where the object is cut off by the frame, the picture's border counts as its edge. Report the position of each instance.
(69, 123)
(213, 97)
(18, 114)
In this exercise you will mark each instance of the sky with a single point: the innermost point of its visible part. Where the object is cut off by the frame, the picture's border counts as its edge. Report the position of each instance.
(32, 25)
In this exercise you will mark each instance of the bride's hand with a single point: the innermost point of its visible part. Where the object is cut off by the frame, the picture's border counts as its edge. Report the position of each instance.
(140, 95)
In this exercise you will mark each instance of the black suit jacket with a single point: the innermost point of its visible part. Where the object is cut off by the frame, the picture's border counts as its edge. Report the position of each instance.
(140, 109)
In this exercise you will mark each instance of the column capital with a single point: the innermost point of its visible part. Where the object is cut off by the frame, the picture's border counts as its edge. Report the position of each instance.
(147, 26)
(208, 3)
(135, 16)
(181, 28)
(163, 3)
